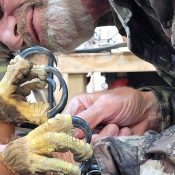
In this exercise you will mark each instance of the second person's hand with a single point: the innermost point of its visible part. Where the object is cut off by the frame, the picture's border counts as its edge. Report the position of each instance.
(117, 112)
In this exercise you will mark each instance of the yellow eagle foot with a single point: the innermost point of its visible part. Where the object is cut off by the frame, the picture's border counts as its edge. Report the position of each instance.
(33, 153)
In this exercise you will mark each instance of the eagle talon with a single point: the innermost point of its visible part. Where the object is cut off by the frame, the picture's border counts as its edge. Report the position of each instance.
(50, 70)
(21, 77)
(33, 153)
(59, 107)
(38, 50)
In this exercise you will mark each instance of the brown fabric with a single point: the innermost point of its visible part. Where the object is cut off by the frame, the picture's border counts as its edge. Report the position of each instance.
(130, 155)
(149, 26)
(116, 158)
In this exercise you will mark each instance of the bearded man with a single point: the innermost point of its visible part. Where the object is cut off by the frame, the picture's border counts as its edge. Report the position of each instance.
(61, 25)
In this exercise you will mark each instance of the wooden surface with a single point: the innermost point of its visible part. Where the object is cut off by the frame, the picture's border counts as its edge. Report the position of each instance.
(76, 84)
(102, 62)
(74, 67)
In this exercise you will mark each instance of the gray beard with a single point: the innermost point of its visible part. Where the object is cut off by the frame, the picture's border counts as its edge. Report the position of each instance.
(69, 25)
(22, 26)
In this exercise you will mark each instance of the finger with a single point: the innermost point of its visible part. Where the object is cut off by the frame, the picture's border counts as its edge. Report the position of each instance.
(80, 103)
(75, 106)
(97, 137)
(125, 131)
(68, 156)
(109, 130)
(78, 133)
(102, 110)
(93, 115)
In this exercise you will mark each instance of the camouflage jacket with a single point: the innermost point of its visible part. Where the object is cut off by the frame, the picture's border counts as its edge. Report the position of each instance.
(150, 29)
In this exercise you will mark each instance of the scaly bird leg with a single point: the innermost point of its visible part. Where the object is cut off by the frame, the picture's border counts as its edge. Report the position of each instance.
(60, 123)
(33, 152)
(13, 106)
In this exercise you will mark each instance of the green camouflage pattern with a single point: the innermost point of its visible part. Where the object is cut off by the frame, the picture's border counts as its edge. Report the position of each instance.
(150, 29)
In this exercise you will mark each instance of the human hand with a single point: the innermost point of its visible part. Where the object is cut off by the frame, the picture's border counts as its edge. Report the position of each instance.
(22, 77)
(33, 153)
(117, 112)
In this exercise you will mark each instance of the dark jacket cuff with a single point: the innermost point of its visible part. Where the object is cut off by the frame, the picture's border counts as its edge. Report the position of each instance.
(166, 99)
(115, 157)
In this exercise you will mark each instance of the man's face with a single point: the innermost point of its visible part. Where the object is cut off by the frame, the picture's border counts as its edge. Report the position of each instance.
(60, 25)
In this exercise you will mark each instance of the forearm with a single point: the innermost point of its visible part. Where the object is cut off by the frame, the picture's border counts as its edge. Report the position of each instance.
(7, 131)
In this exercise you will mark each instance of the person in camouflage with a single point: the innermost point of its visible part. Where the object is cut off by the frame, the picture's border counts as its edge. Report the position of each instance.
(149, 27)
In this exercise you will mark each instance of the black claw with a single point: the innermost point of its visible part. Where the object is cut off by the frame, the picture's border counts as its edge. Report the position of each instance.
(51, 60)
(38, 50)
(88, 166)
(59, 107)
(83, 125)
(50, 70)
(52, 82)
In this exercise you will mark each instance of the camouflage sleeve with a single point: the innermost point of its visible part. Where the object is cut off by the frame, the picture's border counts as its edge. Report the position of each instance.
(152, 153)
(115, 157)
(166, 99)
(148, 39)
(147, 36)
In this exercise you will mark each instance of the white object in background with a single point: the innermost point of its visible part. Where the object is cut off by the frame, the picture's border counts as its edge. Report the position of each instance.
(97, 83)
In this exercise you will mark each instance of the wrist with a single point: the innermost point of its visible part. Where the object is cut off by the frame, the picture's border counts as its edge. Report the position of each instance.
(152, 111)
